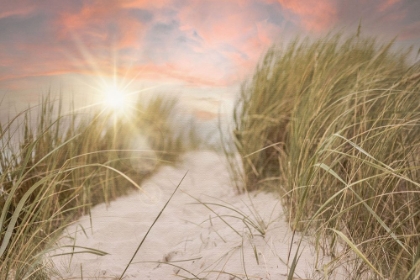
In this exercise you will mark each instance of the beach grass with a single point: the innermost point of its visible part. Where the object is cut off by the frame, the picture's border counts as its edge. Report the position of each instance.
(333, 125)
(54, 167)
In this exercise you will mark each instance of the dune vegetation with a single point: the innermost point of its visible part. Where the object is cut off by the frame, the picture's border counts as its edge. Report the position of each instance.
(333, 125)
(55, 167)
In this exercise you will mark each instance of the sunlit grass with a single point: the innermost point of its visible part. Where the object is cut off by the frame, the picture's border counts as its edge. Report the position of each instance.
(333, 125)
(56, 168)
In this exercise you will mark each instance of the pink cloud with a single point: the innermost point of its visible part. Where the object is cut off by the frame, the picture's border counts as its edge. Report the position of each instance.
(411, 31)
(16, 8)
(218, 22)
(141, 4)
(387, 4)
(232, 36)
(196, 41)
(235, 29)
(314, 15)
(91, 22)
(175, 73)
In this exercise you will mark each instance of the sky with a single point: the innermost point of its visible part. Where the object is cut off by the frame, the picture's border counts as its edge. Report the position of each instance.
(78, 45)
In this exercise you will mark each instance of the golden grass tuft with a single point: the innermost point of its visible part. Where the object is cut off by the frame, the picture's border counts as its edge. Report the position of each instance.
(55, 168)
(334, 125)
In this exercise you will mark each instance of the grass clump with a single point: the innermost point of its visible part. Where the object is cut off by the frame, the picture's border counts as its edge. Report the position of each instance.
(54, 168)
(334, 125)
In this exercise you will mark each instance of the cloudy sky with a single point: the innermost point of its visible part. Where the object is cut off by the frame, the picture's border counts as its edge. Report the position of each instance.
(197, 43)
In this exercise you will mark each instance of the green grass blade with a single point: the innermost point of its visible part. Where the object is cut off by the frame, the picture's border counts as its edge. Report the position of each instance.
(356, 250)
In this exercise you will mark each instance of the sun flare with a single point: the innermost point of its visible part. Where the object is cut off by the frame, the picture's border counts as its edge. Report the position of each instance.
(115, 98)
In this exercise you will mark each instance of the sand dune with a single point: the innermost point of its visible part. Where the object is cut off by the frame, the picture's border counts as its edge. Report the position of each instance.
(226, 236)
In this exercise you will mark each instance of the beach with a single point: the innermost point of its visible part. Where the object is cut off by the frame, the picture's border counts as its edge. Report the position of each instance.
(207, 231)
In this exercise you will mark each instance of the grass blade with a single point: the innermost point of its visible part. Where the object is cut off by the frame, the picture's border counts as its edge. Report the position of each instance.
(356, 250)
(154, 222)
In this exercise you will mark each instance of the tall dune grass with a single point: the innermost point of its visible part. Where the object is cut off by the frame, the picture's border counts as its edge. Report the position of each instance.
(334, 126)
(54, 168)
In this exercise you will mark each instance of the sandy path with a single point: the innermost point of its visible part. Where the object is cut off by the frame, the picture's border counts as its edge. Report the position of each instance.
(190, 240)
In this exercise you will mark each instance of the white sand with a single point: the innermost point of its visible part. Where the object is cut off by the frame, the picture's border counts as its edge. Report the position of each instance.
(189, 240)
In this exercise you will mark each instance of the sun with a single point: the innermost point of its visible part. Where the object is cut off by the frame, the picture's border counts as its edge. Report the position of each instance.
(115, 98)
